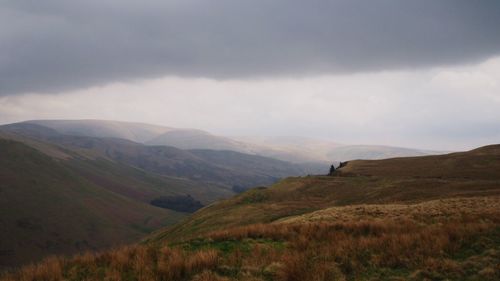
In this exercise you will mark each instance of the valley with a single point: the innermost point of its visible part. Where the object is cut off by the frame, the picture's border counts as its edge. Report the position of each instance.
(250, 140)
(64, 194)
(415, 218)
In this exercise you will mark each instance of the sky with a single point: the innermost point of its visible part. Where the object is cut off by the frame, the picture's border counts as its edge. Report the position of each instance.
(422, 74)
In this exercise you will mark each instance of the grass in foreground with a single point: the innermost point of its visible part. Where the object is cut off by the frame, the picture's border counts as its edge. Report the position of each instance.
(373, 224)
(465, 246)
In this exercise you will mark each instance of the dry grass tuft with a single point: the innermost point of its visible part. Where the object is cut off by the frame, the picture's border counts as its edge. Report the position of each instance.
(460, 247)
(208, 276)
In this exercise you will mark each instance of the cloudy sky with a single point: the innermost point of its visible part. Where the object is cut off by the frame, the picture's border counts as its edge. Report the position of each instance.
(410, 73)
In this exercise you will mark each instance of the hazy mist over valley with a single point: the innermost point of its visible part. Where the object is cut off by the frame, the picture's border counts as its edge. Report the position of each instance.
(249, 140)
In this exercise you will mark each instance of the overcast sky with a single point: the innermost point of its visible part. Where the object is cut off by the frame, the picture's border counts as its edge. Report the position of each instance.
(409, 73)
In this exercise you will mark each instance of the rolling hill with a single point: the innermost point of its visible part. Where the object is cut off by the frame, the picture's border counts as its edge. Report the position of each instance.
(46, 207)
(285, 148)
(93, 157)
(398, 180)
(303, 149)
(412, 218)
(225, 168)
(197, 139)
(422, 194)
(416, 218)
(63, 193)
(477, 164)
(374, 152)
(137, 132)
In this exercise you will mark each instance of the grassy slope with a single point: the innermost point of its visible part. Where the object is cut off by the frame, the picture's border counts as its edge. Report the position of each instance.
(95, 160)
(142, 185)
(103, 196)
(399, 180)
(448, 207)
(415, 245)
(296, 196)
(481, 163)
(374, 221)
(222, 168)
(45, 207)
(123, 166)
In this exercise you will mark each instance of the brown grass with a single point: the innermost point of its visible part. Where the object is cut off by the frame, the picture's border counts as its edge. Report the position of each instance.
(457, 240)
(141, 262)
(425, 212)
(314, 251)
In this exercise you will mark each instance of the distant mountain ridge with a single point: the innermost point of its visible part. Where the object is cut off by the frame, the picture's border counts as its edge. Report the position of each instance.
(63, 193)
(375, 152)
(138, 132)
(291, 149)
(197, 139)
(171, 161)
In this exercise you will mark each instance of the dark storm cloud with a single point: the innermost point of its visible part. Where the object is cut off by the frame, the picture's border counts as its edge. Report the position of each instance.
(51, 46)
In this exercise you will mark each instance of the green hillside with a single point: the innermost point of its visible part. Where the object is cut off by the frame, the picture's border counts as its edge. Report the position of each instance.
(47, 208)
(399, 180)
(66, 196)
(482, 163)
(224, 168)
(372, 220)
(106, 183)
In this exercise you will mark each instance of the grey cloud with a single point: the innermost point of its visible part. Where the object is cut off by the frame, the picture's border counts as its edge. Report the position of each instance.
(52, 46)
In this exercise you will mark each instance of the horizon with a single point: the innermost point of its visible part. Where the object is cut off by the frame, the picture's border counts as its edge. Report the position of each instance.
(249, 138)
(264, 140)
(344, 71)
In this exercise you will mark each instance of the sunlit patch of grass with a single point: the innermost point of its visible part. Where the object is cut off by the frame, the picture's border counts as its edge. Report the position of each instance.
(231, 245)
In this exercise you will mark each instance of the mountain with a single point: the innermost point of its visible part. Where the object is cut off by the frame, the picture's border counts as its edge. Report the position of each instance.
(165, 136)
(50, 207)
(374, 152)
(142, 133)
(368, 205)
(286, 148)
(137, 132)
(300, 149)
(398, 180)
(214, 167)
(291, 148)
(63, 193)
(479, 164)
(197, 139)
(415, 218)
